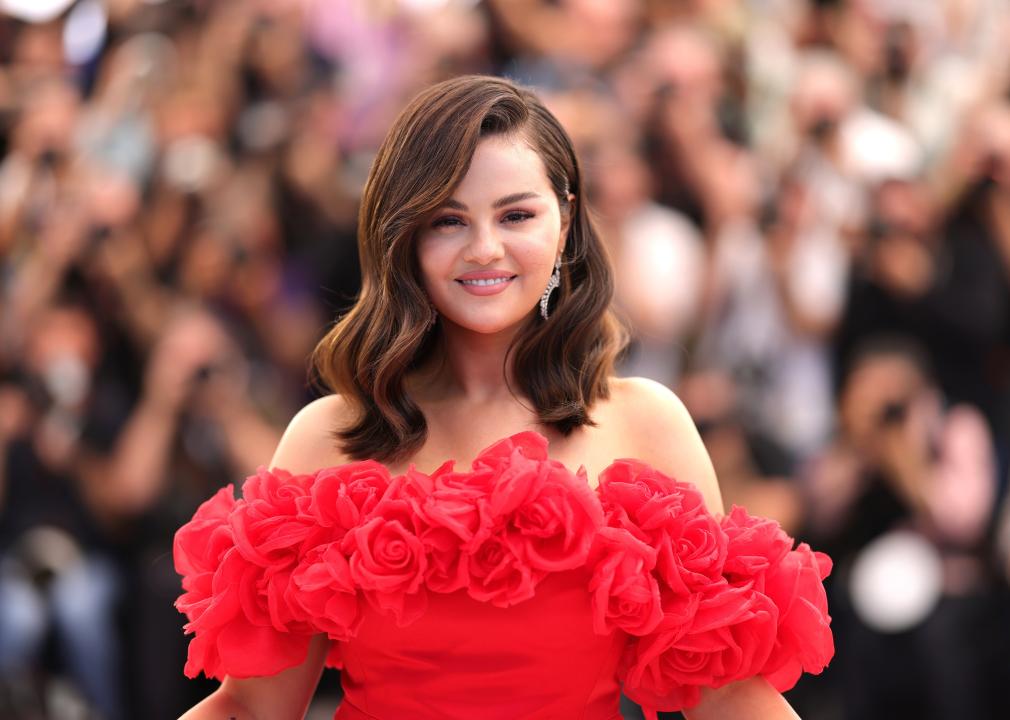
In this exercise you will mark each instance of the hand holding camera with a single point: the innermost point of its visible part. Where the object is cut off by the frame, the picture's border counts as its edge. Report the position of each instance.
(194, 353)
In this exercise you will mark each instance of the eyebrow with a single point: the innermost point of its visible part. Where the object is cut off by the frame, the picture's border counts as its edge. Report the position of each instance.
(499, 203)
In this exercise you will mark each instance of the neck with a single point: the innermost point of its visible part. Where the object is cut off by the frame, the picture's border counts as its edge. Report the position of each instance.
(468, 366)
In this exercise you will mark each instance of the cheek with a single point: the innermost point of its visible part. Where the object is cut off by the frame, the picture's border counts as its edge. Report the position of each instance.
(434, 259)
(537, 258)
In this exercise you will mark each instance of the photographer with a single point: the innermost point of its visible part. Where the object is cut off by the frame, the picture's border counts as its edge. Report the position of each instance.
(60, 575)
(903, 498)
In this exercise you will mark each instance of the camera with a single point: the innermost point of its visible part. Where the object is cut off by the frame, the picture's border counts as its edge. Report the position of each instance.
(893, 413)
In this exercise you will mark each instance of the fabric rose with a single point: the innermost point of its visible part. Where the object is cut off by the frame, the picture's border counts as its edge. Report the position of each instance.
(502, 454)
(448, 569)
(625, 594)
(444, 518)
(626, 485)
(464, 483)
(669, 516)
(273, 528)
(803, 642)
(706, 639)
(498, 575)
(550, 516)
(344, 494)
(538, 518)
(236, 606)
(198, 548)
(235, 636)
(322, 587)
(691, 551)
(460, 503)
(387, 558)
(760, 557)
(755, 544)
(273, 521)
(638, 497)
(514, 483)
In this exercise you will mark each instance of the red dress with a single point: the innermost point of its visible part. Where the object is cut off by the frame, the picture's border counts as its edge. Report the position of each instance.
(509, 590)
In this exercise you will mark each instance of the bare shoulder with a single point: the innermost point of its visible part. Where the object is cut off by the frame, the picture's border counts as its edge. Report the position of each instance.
(660, 431)
(308, 442)
(637, 395)
(649, 411)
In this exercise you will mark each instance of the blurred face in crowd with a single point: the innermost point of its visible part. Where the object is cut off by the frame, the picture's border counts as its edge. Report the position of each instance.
(622, 181)
(486, 255)
(822, 97)
(46, 129)
(609, 26)
(62, 352)
(902, 256)
(684, 61)
(878, 395)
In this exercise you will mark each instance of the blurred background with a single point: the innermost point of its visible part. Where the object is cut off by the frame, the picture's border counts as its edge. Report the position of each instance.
(807, 203)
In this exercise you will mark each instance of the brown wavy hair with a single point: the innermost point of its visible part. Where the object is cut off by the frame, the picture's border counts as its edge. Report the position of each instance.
(562, 364)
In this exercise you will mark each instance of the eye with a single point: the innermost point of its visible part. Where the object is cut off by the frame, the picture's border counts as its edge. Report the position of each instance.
(517, 216)
(447, 221)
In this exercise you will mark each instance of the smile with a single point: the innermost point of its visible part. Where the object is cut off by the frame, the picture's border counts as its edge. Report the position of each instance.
(486, 285)
(487, 281)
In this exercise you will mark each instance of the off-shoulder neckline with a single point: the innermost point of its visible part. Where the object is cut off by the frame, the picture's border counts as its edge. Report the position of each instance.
(517, 438)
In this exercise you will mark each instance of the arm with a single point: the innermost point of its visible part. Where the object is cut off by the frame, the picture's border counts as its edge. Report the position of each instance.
(753, 698)
(666, 438)
(245, 430)
(304, 447)
(284, 695)
(129, 480)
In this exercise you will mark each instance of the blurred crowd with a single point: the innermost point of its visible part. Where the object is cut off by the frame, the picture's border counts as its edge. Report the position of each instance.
(807, 203)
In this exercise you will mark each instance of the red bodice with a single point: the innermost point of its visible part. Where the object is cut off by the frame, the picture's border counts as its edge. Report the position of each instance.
(509, 590)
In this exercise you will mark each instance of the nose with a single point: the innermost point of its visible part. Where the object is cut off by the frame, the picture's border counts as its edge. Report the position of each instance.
(484, 246)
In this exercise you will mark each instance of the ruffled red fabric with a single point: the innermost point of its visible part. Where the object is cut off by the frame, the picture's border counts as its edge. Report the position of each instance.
(736, 599)
(704, 600)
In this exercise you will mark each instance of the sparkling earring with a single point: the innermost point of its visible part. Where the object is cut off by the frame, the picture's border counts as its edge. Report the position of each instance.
(551, 284)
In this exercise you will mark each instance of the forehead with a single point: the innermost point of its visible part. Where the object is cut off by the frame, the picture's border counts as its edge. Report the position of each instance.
(891, 371)
(503, 162)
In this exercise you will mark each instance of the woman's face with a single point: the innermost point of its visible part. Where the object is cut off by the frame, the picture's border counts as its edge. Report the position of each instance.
(487, 254)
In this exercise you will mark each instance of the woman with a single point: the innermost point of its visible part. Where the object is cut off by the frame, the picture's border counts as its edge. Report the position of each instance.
(517, 588)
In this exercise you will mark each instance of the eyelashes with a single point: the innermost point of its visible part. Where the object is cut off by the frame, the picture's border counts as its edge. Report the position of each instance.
(517, 216)
(513, 217)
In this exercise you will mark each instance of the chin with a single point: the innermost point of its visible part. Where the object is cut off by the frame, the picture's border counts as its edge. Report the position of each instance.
(487, 323)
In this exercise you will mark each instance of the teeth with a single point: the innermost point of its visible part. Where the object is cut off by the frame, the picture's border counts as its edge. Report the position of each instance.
(487, 281)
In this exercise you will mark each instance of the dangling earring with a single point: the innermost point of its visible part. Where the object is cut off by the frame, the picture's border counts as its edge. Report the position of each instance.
(432, 318)
(551, 284)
